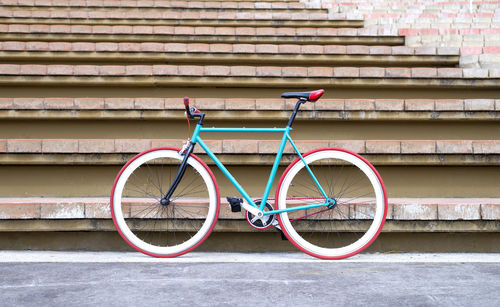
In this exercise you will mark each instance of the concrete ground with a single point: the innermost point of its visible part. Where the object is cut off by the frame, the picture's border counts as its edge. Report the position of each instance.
(244, 279)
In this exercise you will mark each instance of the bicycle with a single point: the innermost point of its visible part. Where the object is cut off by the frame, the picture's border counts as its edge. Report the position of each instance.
(330, 202)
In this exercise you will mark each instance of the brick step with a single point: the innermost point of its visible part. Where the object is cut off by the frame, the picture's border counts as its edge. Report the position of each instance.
(205, 19)
(399, 209)
(286, 54)
(154, 4)
(172, 108)
(246, 76)
(191, 38)
(248, 146)
(124, 12)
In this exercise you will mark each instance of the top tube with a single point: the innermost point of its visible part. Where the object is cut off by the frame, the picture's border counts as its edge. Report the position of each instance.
(213, 129)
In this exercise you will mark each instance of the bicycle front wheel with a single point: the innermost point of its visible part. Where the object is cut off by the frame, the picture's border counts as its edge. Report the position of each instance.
(342, 229)
(164, 230)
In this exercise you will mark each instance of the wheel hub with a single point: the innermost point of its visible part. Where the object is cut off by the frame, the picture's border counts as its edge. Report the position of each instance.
(164, 202)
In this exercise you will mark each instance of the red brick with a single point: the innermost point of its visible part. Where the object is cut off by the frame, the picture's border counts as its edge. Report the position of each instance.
(490, 211)
(389, 105)
(60, 29)
(347, 32)
(59, 146)
(479, 104)
(311, 49)
(454, 147)
(359, 105)
(425, 51)
(371, 72)
(14, 28)
(240, 104)
(81, 29)
(266, 48)
(6, 103)
(13, 46)
(283, 49)
(142, 29)
(285, 31)
(383, 146)
(62, 70)
(222, 48)
(449, 105)
(216, 70)
(384, 50)
(149, 104)
(356, 146)
(102, 29)
(190, 15)
(39, 29)
(209, 103)
(415, 211)
(198, 47)
(418, 147)
(152, 47)
(78, 14)
(9, 69)
(306, 146)
(243, 71)
(163, 30)
(245, 48)
(265, 31)
(24, 146)
(491, 49)
(28, 103)
(175, 47)
(37, 46)
(320, 72)
(269, 104)
(329, 105)
(271, 147)
(464, 51)
(486, 147)
(132, 145)
(423, 72)
(60, 46)
(20, 211)
(449, 73)
(214, 145)
(139, 70)
(459, 212)
(397, 72)
(167, 143)
(335, 49)
(3, 143)
(326, 31)
(232, 15)
(96, 146)
(190, 70)
(83, 46)
(268, 71)
(63, 211)
(306, 32)
(245, 31)
(402, 50)
(98, 210)
(294, 71)
(352, 72)
(30, 69)
(184, 30)
(58, 103)
(356, 49)
(419, 105)
(119, 103)
(121, 29)
(165, 70)
(106, 47)
(89, 103)
(111, 70)
(86, 70)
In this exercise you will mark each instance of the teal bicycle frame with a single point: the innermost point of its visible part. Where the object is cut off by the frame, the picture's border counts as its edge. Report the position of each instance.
(286, 137)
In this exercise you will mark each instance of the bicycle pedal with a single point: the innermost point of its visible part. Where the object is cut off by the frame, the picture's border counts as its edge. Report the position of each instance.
(235, 203)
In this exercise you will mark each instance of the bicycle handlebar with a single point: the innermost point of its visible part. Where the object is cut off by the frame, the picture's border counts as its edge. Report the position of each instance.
(191, 112)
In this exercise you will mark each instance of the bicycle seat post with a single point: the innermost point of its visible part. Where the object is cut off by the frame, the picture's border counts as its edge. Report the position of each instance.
(295, 110)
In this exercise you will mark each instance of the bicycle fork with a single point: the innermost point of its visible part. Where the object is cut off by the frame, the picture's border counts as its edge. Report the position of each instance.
(180, 173)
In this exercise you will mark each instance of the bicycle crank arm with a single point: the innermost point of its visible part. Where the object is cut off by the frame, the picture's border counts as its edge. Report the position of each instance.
(252, 209)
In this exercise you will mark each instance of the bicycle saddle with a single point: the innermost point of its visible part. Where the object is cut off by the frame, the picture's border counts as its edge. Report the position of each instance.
(309, 96)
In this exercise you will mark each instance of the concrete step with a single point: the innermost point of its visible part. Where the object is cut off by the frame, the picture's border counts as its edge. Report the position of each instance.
(245, 76)
(206, 57)
(205, 19)
(404, 215)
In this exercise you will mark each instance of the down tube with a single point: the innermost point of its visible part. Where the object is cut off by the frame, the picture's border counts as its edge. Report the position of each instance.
(226, 172)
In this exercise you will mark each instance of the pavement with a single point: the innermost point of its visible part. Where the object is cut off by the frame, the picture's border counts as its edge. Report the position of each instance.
(34, 278)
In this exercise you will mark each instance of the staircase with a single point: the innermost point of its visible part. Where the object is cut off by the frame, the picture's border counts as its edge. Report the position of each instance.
(86, 85)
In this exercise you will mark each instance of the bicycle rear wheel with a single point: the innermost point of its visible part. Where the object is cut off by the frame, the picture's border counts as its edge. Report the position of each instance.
(164, 230)
(335, 231)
